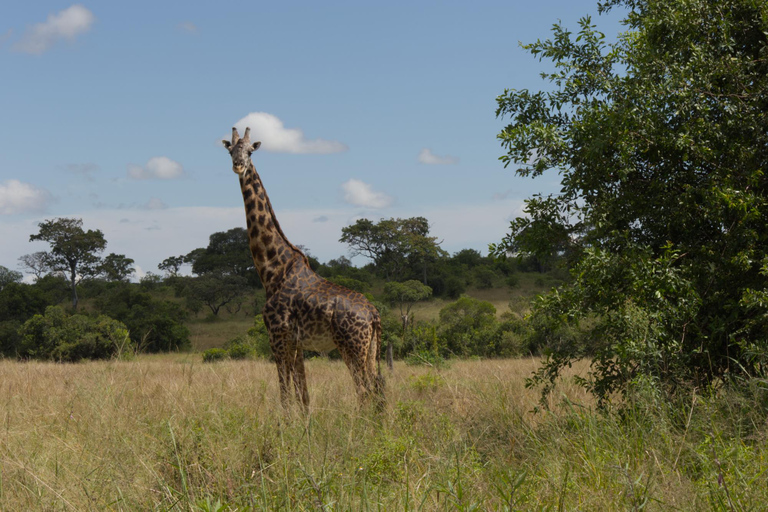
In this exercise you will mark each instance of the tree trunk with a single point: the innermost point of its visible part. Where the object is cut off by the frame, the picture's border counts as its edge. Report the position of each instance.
(73, 284)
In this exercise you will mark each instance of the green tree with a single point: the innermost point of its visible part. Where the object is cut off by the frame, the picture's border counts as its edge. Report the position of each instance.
(404, 296)
(117, 267)
(73, 250)
(8, 276)
(171, 265)
(215, 291)
(154, 325)
(661, 140)
(228, 255)
(394, 244)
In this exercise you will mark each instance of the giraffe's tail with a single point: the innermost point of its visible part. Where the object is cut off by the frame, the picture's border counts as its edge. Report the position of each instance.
(375, 360)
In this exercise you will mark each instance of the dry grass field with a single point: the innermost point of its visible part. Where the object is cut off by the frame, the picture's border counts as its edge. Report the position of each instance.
(172, 433)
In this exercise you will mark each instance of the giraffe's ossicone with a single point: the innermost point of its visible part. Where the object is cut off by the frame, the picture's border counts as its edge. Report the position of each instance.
(303, 310)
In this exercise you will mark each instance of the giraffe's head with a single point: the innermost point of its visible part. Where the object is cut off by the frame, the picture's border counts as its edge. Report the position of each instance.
(240, 150)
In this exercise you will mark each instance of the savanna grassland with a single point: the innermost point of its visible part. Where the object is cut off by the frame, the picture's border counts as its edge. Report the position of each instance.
(171, 433)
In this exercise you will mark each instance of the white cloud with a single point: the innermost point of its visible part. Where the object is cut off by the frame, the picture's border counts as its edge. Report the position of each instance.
(66, 24)
(189, 27)
(359, 193)
(427, 157)
(276, 137)
(86, 170)
(155, 204)
(18, 197)
(159, 168)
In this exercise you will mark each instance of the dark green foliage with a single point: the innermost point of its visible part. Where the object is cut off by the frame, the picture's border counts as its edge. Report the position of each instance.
(661, 140)
(59, 337)
(469, 258)
(241, 347)
(228, 255)
(214, 354)
(258, 338)
(154, 325)
(352, 284)
(19, 302)
(117, 267)
(171, 265)
(454, 287)
(10, 339)
(468, 326)
(399, 248)
(8, 276)
(151, 282)
(215, 291)
(404, 296)
(484, 277)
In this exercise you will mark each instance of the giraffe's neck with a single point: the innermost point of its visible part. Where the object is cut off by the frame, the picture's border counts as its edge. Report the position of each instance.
(272, 253)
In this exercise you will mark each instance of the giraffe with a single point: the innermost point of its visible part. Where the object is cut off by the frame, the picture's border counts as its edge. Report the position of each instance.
(303, 311)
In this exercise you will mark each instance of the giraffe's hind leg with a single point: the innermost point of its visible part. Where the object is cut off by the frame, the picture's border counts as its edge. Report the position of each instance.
(300, 379)
(356, 362)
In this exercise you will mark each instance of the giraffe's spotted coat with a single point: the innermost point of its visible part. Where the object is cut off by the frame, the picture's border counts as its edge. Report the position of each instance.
(303, 310)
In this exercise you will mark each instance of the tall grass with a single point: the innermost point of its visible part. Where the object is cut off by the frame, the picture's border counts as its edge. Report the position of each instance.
(171, 433)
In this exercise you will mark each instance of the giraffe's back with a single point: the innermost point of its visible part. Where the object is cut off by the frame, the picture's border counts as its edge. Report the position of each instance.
(322, 315)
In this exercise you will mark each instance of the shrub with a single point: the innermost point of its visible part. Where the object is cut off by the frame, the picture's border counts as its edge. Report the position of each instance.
(214, 354)
(467, 326)
(56, 336)
(484, 277)
(454, 287)
(348, 282)
(426, 358)
(258, 338)
(239, 348)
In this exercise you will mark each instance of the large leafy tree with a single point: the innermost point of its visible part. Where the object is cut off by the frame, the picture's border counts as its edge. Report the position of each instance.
(74, 251)
(661, 140)
(228, 254)
(394, 245)
(117, 267)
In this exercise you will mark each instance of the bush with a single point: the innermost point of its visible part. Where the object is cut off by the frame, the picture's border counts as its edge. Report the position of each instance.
(214, 354)
(239, 348)
(454, 287)
(258, 338)
(468, 326)
(348, 282)
(56, 336)
(426, 358)
(484, 277)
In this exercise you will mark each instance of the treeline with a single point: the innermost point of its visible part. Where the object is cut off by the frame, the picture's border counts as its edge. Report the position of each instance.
(82, 305)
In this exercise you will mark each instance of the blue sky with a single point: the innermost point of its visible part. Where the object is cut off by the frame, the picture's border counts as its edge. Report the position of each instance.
(113, 111)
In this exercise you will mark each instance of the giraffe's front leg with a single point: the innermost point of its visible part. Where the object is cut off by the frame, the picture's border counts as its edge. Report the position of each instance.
(284, 359)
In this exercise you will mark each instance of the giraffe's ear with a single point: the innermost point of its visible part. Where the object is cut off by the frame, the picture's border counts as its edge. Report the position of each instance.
(227, 144)
(255, 146)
